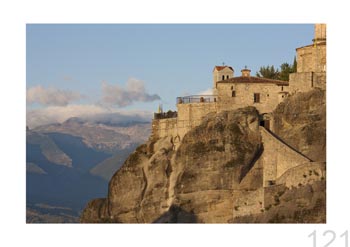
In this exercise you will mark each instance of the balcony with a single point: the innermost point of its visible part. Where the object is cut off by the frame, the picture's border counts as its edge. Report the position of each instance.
(196, 99)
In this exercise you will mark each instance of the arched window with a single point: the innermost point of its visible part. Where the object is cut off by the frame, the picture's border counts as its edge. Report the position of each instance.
(227, 77)
(223, 77)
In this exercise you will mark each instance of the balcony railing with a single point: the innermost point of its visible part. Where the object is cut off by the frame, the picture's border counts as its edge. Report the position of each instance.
(196, 99)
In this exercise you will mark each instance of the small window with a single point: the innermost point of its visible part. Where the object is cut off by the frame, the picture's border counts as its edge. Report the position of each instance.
(282, 88)
(223, 77)
(227, 77)
(231, 87)
(233, 93)
(256, 97)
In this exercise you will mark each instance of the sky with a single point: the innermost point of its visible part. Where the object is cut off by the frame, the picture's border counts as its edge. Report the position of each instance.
(129, 69)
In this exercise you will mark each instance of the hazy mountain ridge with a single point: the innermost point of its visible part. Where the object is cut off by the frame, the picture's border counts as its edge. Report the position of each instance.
(109, 166)
(49, 148)
(104, 137)
(50, 214)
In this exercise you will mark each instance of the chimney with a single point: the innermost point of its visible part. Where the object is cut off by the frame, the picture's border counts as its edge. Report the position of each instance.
(245, 72)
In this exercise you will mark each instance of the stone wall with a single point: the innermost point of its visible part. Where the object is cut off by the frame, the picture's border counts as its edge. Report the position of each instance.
(306, 81)
(278, 157)
(311, 58)
(189, 116)
(270, 96)
(320, 32)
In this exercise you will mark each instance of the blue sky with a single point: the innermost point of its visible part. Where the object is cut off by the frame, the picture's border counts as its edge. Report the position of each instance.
(167, 60)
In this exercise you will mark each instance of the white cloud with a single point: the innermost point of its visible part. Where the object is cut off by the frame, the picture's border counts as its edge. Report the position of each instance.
(134, 91)
(92, 113)
(58, 108)
(208, 91)
(51, 96)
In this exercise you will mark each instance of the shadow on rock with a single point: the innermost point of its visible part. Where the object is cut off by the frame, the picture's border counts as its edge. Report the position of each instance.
(177, 215)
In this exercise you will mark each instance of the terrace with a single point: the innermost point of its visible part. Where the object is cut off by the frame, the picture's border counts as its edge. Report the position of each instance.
(196, 99)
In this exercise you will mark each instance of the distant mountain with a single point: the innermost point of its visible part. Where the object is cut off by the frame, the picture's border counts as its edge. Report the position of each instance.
(109, 166)
(103, 136)
(83, 157)
(68, 164)
(49, 148)
(40, 213)
(33, 168)
(60, 186)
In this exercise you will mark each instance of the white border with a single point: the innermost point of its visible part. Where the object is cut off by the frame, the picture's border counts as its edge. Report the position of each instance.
(15, 14)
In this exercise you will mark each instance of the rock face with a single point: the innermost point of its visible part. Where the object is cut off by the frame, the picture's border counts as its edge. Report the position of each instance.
(216, 164)
(159, 184)
(302, 204)
(301, 122)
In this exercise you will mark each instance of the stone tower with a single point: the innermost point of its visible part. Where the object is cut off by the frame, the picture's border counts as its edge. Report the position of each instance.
(221, 73)
(320, 33)
(312, 58)
(312, 63)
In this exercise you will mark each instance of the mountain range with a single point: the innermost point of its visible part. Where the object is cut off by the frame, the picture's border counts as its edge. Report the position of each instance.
(70, 163)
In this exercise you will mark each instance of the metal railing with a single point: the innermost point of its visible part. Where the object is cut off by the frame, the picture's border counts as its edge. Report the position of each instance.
(196, 99)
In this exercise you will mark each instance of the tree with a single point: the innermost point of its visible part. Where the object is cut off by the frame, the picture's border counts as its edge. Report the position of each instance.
(294, 65)
(268, 72)
(286, 69)
(272, 73)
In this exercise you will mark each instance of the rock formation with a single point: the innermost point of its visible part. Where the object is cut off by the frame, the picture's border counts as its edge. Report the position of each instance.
(301, 122)
(216, 168)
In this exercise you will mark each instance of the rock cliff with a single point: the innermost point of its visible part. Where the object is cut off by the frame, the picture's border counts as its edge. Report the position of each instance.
(201, 180)
(195, 181)
(301, 122)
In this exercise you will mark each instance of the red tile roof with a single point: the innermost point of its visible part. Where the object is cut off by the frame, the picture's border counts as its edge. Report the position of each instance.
(218, 68)
(253, 79)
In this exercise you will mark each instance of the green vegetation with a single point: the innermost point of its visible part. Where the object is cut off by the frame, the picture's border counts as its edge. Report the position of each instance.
(272, 73)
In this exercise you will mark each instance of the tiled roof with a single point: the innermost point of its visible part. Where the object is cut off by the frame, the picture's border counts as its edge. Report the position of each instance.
(253, 79)
(218, 68)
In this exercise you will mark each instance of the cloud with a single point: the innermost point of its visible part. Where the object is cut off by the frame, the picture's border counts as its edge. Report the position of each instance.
(91, 113)
(209, 91)
(51, 96)
(134, 91)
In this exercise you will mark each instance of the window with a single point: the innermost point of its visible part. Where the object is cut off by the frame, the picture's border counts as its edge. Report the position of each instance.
(257, 98)
(223, 77)
(282, 88)
(231, 87)
(227, 77)
(233, 93)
